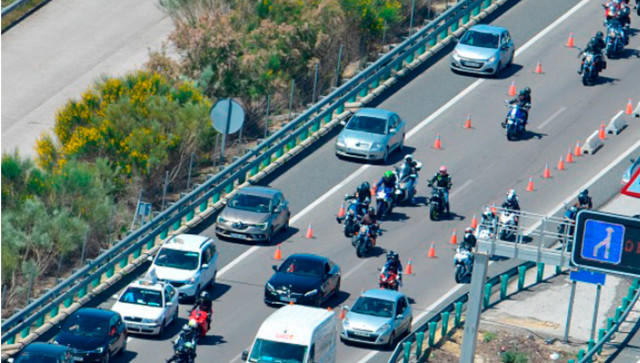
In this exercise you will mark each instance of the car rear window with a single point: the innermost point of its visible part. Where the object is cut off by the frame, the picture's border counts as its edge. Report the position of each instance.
(480, 39)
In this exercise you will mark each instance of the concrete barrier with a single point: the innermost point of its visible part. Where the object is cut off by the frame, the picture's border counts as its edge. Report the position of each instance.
(617, 123)
(592, 144)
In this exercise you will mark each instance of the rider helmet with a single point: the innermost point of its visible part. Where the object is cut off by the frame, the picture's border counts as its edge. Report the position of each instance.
(511, 196)
(364, 188)
(391, 255)
(443, 170)
(388, 175)
(408, 158)
(583, 197)
(624, 10)
(525, 91)
(599, 35)
(189, 345)
(372, 211)
(468, 230)
(204, 296)
(193, 323)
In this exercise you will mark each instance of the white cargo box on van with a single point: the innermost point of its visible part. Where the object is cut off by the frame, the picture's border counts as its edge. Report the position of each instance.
(296, 333)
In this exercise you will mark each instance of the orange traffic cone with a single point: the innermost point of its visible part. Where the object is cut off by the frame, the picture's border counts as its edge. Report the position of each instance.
(432, 250)
(560, 164)
(547, 173)
(454, 238)
(341, 212)
(577, 151)
(409, 268)
(474, 222)
(493, 208)
(602, 134)
(467, 124)
(342, 313)
(539, 68)
(437, 144)
(309, 232)
(570, 41)
(373, 190)
(569, 156)
(290, 302)
(278, 254)
(530, 184)
(329, 308)
(629, 109)
(512, 89)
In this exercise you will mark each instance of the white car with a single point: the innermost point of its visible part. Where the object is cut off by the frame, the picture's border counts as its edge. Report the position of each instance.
(147, 307)
(188, 262)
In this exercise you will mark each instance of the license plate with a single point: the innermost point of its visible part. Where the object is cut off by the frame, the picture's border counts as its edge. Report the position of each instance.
(361, 334)
(473, 64)
(78, 359)
(288, 299)
(238, 235)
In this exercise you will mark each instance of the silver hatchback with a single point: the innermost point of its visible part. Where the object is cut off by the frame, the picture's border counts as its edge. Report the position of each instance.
(483, 49)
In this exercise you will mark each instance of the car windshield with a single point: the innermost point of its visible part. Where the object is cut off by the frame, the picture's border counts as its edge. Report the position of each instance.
(277, 352)
(480, 39)
(373, 307)
(82, 324)
(184, 260)
(252, 203)
(368, 124)
(28, 357)
(299, 266)
(139, 296)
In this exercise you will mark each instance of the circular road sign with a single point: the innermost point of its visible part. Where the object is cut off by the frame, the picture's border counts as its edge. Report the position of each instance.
(227, 116)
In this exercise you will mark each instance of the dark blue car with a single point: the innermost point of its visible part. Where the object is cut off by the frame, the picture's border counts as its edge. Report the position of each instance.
(93, 335)
(303, 279)
(43, 353)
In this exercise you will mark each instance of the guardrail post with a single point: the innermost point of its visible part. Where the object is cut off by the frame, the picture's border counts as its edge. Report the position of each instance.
(458, 316)
(254, 170)
(340, 109)
(625, 303)
(150, 243)
(203, 206)
(487, 3)
(82, 292)
(433, 41)
(375, 83)
(504, 282)
(590, 345)
(364, 90)
(137, 253)
(539, 272)
(455, 26)
(422, 48)
(487, 295)
(242, 178)
(68, 301)
(600, 336)
(419, 341)
(96, 281)
(397, 66)
(618, 314)
(522, 271)
(445, 323)
(316, 126)
(476, 10)
(432, 333)
(407, 352)
(190, 214)
(176, 224)
(279, 152)
(40, 321)
(293, 143)
(164, 233)
(409, 58)
(636, 284)
(304, 134)
(25, 332)
(214, 199)
(558, 270)
(124, 262)
(12, 340)
(229, 187)
(54, 311)
(444, 34)
(110, 271)
(465, 18)
(571, 361)
(327, 118)
(580, 354)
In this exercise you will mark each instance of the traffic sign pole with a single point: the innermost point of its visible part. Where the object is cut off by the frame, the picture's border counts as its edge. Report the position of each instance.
(571, 298)
(224, 135)
(471, 322)
(595, 312)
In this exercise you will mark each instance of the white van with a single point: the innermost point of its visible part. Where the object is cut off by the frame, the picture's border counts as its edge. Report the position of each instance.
(295, 334)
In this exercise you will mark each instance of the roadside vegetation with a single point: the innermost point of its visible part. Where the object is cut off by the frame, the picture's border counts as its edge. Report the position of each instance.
(122, 135)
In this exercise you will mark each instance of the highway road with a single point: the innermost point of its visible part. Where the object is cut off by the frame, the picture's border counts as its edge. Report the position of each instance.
(57, 52)
(483, 163)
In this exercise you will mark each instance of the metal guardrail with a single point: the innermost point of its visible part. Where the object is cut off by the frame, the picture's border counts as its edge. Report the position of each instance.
(14, 5)
(236, 174)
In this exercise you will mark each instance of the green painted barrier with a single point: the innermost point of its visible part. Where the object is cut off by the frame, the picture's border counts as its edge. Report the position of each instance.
(293, 143)
(96, 282)
(137, 253)
(504, 283)
(340, 109)
(215, 198)
(83, 292)
(242, 179)
(419, 341)
(522, 271)
(571, 361)
(476, 10)
(190, 215)
(68, 301)
(444, 34)
(303, 135)
(203, 206)
(487, 3)
(375, 83)
(409, 58)
(12, 340)
(580, 354)
(458, 316)
(164, 234)
(487, 295)
(618, 314)
(466, 18)
(266, 161)
(558, 270)
(445, 323)
(407, 351)
(397, 66)
(327, 118)
(54, 311)
(279, 153)
(25, 332)
(636, 284)
(124, 262)
(455, 26)
(254, 170)
(315, 127)
(176, 224)
(433, 42)
(432, 333)
(609, 323)
(625, 303)
(540, 272)
(352, 98)
(364, 90)
(150, 243)
(229, 188)
(422, 49)
(590, 345)
(110, 271)
(600, 336)
(40, 321)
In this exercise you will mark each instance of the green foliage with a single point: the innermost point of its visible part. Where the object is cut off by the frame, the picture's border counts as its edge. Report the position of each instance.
(513, 356)
(370, 16)
(489, 336)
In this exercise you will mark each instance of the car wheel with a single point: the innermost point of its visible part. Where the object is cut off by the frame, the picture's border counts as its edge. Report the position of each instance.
(161, 331)
(385, 157)
(401, 145)
(392, 340)
(107, 357)
(286, 224)
(124, 347)
(269, 238)
(175, 315)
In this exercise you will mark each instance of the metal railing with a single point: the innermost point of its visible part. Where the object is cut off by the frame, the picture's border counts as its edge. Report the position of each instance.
(268, 152)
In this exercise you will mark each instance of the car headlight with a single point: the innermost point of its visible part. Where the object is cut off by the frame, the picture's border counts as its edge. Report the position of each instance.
(455, 53)
(383, 328)
(377, 146)
(341, 141)
(222, 220)
(99, 350)
(493, 58)
(152, 321)
(193, 279)
(345, 322)
(311, 293)
(270, 287)
(263, 226)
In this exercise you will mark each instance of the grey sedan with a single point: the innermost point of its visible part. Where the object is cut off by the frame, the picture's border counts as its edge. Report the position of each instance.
(254, 214)
(483, 49)
(377, 317)
(371, 134)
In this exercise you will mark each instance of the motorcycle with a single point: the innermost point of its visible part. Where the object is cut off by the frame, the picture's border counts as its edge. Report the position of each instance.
(385, 202)
(488, 224)
(355, 211)
(406, 180)
(507, 225)
(388, 280)
(184, 349)
(436, 202)
(200, 316)
(463, 260)
(515, 120)
(363, 240)
(614, 39)
(589, 69)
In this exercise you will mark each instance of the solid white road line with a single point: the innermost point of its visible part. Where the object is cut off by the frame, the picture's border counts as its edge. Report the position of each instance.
(355, 268)
(552, 117)
(459, 189)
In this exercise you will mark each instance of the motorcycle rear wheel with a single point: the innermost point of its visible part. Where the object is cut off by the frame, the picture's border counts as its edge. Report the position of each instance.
(459, 274)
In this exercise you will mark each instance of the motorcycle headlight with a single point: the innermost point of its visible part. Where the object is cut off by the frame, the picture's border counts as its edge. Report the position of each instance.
(222, 220)
(311, 293)
(270, 287)
(377, 146)
(263, 226)
(383, 328)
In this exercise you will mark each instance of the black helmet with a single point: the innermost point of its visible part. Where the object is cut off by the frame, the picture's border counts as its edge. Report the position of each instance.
(391, 255)
(583, 197)
(525, 91)
(364, 187)
(372, 210)
(204, 295)
(599, 35)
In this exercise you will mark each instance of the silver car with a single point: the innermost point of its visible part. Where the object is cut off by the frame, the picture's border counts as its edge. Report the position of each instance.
(377, 317)
(254, 214)
(371, 134)
(483, 49)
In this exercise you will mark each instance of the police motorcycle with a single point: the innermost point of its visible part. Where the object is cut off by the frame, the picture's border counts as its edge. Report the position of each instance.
(463, 260)
(515, 120)
(405, 180)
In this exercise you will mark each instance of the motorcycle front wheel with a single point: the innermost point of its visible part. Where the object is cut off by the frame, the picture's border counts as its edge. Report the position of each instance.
(360, 248)
(433, 212)
(381, 209)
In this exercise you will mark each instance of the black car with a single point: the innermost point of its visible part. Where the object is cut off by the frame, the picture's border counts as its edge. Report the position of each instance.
(43, 353)
(303, 279)
(93, 335)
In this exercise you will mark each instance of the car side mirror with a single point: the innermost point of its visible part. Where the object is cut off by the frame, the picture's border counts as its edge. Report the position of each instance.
(343, 122)
(205, 266)
(392, 130)
(346, 308)
(275, 267)
(150, 258)
(169, 304)
(400, 316)
(633, 160)
(244, 356)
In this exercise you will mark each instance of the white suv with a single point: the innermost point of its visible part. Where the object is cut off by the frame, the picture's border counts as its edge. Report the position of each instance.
(188, 262)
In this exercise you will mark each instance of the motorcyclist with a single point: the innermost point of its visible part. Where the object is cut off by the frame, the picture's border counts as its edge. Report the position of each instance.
(393, 264)
(204, 303)
(442, 179)
(388, 182)
(512, 201)
(469, 240)
(189, 332)
(595, 47)
(584, 200)
(412, 166)
(523, 100)
(362, 198)
(624, 18)
(189, 348)
(371, 220)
